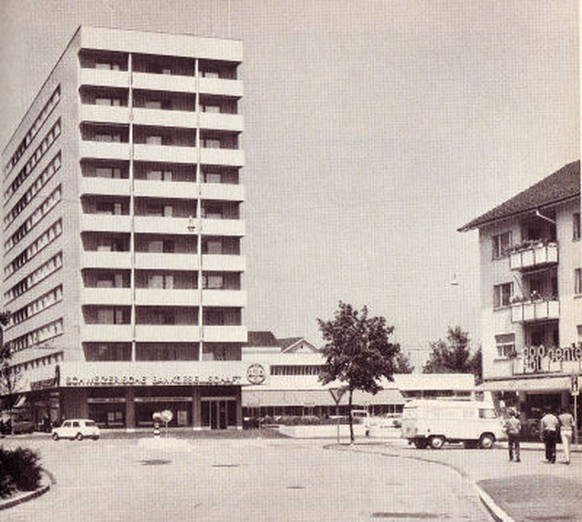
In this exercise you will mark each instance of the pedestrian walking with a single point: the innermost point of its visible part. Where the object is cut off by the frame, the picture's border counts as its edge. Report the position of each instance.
(513, 430)
(566, 431)
(549, 434)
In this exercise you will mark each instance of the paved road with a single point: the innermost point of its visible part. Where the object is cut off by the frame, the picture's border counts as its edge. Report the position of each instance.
(243, 479)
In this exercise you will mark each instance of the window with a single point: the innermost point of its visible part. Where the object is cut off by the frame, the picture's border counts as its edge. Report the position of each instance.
(501, 244)
(153, 140)
(505, 345)
(576, 226)
(211, 108)
(213, 246)
(502, 295)
(213, 281)
(578, 281)
(211, 143)
(159, 175)
(212, 177)
(108, 172)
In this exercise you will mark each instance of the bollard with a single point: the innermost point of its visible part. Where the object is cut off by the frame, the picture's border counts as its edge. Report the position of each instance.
(156, 429)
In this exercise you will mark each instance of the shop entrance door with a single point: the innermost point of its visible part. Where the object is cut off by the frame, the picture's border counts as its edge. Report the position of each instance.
(218, 414)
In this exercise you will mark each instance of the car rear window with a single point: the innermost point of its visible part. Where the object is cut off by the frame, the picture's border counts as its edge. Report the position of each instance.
(89, 423)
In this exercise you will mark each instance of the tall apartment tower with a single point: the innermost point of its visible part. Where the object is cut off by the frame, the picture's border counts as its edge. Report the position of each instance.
(531, 294)
(122, 233)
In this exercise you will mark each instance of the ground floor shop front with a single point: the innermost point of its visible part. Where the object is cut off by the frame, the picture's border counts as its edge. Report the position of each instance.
(533, 396)
(196, 407)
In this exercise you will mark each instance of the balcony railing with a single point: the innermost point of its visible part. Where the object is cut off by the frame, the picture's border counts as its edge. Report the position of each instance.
(529, 311)
(534, 256)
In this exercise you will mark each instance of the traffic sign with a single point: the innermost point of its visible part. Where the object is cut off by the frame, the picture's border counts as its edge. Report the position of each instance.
(337, 393)
(574, 385)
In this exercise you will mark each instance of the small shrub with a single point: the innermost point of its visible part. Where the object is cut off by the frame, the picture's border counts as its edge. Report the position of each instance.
(20, 470)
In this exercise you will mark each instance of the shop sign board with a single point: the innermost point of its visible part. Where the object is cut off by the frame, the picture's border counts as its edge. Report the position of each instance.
(537, 359)
(206, 373)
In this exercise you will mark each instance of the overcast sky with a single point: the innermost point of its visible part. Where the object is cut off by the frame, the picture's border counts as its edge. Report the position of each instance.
(374, 129)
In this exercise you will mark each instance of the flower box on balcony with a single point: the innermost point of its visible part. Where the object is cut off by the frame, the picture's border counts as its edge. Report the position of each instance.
(533, 255)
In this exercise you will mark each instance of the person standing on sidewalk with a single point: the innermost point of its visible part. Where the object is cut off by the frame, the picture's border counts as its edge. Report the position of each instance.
(566, 431)
(549, 434)
(513, 430)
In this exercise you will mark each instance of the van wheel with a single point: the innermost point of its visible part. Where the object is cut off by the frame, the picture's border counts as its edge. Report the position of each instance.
(420, 443)
(55, 436)
(79, 436)
(486, 441)
(437, 442)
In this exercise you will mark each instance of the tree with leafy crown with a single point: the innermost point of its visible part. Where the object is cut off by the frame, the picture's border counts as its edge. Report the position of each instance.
(358, 352)
(453, 355)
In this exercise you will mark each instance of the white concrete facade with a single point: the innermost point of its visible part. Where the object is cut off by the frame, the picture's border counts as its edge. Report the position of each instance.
(122, 224)
(531, 295)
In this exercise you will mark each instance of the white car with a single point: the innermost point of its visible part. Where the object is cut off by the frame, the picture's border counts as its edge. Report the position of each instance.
(76, 429)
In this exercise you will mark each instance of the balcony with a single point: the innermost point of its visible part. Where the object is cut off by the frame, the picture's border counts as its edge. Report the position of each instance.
(165, 189)
(222, 87)
(167, 333)
(166, 261)
(221, 121)
(100, 259)
(223, 263)
(534, 256)
(102, 77)
(103, 150)
(104, 223)
(223, 227)
(227, 157)
(106, 296)
(163, 82)
(189, 297)
(223, 191)
(104, 186)
(236, 298)
(103, 114)
(165, 153)
(535, 311)
(165, 118)
(106, 333)
(161, 225)
(225, 334)
(166, 297)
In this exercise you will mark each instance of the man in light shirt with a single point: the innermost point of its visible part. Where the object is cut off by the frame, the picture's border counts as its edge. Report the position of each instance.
(549, 434)
(566, 431)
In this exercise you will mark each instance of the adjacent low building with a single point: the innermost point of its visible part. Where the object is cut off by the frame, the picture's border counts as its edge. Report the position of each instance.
(291, 384)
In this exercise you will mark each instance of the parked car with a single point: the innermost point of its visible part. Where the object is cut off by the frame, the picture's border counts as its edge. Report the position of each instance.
(382, 424)
(434, 422)
(76, 429)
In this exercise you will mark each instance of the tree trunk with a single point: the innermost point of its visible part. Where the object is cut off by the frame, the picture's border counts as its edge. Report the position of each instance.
(351, 419)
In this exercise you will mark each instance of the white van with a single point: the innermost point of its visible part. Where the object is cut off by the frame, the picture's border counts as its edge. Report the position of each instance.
(434, 422)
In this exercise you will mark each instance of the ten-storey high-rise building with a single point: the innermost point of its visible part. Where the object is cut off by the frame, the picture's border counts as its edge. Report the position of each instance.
(122, 233)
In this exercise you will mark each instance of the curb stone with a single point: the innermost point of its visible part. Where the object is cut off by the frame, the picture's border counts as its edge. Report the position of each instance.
(25, 496)
(498, 514)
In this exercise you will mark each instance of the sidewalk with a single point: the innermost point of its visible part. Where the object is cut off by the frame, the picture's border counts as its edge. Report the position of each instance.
(525, 491)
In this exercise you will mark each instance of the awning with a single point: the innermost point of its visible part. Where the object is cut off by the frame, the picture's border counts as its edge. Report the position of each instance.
(252, 398)
(541, 384)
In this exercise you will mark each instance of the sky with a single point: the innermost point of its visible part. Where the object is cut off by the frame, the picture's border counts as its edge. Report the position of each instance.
(373, 131)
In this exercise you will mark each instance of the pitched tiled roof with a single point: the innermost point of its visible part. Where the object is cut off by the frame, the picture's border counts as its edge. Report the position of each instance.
(261, 339)
(559, 186)
(289, 341)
